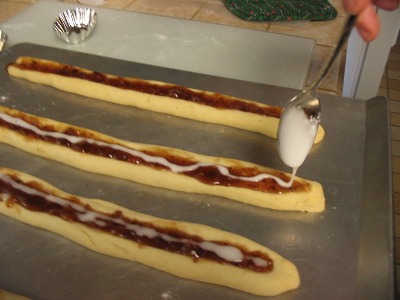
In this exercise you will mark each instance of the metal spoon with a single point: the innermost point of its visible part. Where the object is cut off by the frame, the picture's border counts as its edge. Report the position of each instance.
(301, 116)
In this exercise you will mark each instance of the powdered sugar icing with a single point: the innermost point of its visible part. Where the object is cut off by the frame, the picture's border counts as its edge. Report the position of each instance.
(149, 158)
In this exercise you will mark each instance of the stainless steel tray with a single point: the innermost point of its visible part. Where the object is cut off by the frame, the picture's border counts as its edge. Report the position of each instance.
(342, 253)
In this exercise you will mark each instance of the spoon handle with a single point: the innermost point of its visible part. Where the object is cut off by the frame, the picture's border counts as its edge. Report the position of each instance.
(336, 50)
(3, 39)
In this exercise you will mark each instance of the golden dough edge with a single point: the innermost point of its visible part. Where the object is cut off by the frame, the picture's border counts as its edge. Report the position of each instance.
(251, 122)
(6, 295)
(284, 277)
(310, 201)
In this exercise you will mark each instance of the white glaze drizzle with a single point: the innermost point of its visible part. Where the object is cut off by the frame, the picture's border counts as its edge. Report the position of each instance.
(151, 159)
(296, 136)
(226, 252)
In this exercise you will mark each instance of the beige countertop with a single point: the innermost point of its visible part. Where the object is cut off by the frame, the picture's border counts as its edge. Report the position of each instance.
(214, 11)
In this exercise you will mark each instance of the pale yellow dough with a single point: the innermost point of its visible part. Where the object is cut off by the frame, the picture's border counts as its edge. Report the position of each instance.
(312, 200)
(283, 277)
(181, 108)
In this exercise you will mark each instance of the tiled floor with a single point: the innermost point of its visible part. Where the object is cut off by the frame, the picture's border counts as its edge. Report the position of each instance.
(390, 87)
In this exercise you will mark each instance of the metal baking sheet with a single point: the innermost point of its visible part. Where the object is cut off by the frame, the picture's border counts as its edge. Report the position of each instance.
(344, 252)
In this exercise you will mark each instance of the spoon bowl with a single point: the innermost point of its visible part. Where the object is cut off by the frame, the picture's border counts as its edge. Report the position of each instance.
(298, 128)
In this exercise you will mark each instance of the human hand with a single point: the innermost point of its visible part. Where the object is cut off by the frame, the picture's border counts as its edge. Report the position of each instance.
(368, 24)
